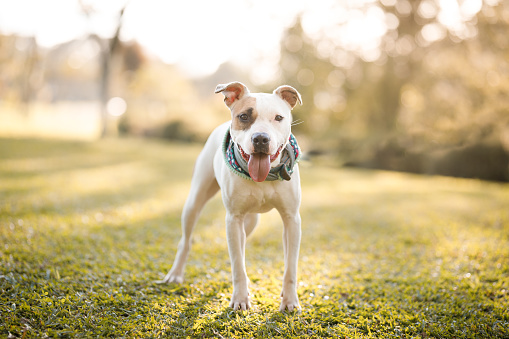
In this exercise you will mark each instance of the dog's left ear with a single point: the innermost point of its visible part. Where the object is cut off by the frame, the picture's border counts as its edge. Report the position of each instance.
(232, 92)
(289, 94)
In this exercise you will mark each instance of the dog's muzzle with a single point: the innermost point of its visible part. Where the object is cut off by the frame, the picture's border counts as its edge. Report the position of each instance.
(261, 142)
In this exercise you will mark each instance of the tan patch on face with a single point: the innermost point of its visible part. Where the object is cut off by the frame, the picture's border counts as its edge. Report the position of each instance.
(244, 114)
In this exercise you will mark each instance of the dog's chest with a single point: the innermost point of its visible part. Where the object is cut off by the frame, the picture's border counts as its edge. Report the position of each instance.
(248, 197)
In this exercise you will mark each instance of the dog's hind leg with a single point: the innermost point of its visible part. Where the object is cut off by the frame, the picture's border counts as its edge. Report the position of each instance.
(250, 222)
(203, 187)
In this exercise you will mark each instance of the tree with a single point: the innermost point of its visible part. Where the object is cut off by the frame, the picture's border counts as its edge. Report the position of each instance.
(434, 82)
(109, 50)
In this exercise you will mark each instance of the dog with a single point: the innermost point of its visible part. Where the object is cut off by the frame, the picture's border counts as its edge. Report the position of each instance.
(253, 160)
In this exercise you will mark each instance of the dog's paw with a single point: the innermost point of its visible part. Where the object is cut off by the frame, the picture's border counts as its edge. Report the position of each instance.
(171, 277)
(290, 303)
(240, 302)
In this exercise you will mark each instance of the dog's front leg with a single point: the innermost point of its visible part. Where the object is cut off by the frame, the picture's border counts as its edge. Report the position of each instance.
(291, 244)
(236, 237)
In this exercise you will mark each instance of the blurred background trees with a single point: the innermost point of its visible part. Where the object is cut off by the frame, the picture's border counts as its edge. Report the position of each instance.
(418, 89)
(432, 97)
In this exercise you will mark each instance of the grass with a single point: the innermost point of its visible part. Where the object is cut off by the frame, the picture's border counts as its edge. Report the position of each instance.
(86, 229)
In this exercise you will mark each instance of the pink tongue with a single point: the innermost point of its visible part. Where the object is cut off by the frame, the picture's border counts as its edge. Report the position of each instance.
(259, 166)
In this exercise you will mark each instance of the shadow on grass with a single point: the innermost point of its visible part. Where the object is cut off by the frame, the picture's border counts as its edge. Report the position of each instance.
(40, 148)
(52, 183)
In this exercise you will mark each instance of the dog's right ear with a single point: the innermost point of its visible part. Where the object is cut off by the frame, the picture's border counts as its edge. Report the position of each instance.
(232, 92)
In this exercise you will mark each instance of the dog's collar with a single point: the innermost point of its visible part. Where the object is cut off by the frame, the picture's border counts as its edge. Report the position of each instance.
(290, 155)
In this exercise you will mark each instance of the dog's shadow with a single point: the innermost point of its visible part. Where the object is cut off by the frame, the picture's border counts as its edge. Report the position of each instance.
(211, 313)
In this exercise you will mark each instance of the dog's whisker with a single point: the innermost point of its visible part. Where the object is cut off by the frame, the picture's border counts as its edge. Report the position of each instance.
(297, 122)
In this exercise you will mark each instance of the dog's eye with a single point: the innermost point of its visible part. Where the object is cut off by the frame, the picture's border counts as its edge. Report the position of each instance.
(244, 117)
(279, 117)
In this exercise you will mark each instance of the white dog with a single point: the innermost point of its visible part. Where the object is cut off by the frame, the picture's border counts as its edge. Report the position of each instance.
(253, 160)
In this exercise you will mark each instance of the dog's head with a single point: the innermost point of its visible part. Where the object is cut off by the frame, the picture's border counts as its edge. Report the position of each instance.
(261, 124)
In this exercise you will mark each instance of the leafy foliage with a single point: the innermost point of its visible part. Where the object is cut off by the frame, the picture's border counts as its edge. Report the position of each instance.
(421, 101)
(86, 229)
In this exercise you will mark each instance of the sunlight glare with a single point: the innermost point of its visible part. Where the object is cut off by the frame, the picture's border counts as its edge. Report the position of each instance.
(427, 9)
(116, 106)
(455, 17)
(433, 32)
(470, 8)
(199, 36)
(42, 20)
(357, 27)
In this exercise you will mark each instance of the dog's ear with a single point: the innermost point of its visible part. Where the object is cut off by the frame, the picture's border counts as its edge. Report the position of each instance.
(232, 92)
(289, 94)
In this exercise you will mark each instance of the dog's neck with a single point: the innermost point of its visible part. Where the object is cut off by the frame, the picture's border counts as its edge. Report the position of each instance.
(290, 155)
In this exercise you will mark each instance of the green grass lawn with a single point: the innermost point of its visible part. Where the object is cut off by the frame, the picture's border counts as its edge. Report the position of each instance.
(86, 229)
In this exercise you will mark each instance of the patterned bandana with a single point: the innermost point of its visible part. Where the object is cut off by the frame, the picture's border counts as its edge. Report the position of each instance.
(290, 155)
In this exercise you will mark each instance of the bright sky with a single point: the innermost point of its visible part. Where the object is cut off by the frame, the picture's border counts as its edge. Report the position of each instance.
(199, 35)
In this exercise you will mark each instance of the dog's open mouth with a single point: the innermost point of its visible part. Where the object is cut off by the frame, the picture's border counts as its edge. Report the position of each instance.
(258, 164)
(272, 157)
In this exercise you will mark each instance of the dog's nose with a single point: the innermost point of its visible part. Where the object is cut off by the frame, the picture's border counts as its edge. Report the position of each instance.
(260, 139)
(261, 142)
